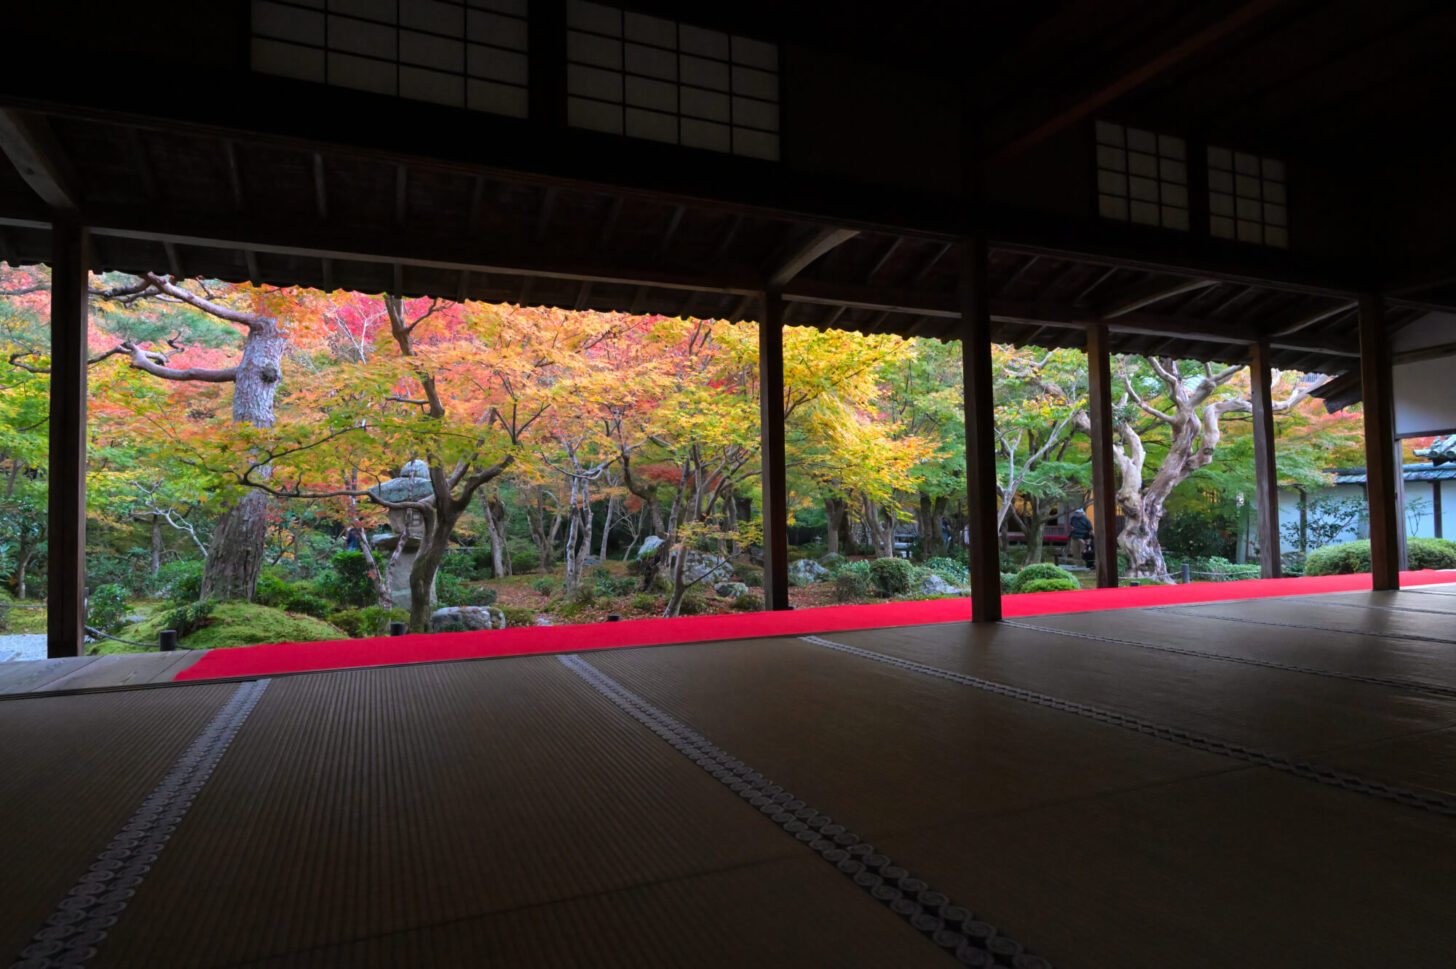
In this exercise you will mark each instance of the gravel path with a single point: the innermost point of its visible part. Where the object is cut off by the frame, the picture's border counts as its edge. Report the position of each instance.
(26, 646)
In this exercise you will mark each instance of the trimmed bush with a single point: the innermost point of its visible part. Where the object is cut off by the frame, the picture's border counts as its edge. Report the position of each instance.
(524, 561)
(518, 615)
(545, 585)
(1007, 580)
(851, 586)
(832, 560)
(1050, 585)
(692, 604)
(748, 602)
(188, 619)
(892, 577)
(1430, 553)
(643, 602)
(1348, 558)
(1042, 571)
(369, 621)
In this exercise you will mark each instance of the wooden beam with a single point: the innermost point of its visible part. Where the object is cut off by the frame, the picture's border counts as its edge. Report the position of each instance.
(1380, 446)
(1154, 292)
(27, 141)
(235, 177)
(320, 188)
(1104, 478)
(66, 509)
(1266, 468)
(543, 217)
(885, 257)
(174, 264)
(775, 471)
(1164, 61)
(401, 193)
(975, 335)
(807, 252)
(583, 295)
(673, 222)
(1304, 322)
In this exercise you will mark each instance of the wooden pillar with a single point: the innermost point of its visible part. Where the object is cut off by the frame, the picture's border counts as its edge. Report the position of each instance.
(1266, 468)
(775, 476)
(1104, 479)
(985, 561)
(1381, 454)
(66, 572)
(1436, 505)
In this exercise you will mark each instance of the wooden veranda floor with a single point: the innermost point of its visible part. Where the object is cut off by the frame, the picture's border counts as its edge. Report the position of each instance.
(1255, 784)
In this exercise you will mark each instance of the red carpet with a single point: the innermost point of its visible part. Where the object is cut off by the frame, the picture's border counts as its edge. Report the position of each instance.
(421, 648)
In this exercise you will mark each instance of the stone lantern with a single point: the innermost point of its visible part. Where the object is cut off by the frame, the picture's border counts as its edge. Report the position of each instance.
(406, 528)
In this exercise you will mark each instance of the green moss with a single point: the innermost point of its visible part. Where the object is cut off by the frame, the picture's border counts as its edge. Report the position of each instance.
(233, 624)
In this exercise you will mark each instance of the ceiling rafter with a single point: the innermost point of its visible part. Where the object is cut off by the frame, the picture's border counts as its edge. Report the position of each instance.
(802, 256)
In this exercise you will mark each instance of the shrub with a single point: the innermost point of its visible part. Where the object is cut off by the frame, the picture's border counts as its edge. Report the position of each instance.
(1041, 571)
(309, 604)
(607, 587)
(1008, 579)
(348, 581)
(832, 560)
(1050, 585)
(1346, 558)
(180, 581)
(1009, 562)
(524, 561)
(748, 602)
(1430, 553)
(188, 619)
(106, 607)
(956, 573)
(643, 602)
(518, 615)
(545, 585)
(368, 621)
(892, 576)
(753, 577)
(451, 590)
(850, 586)
(692, 604)
(275, 593)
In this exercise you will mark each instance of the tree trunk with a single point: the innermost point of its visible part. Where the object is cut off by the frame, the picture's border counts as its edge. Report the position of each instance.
(1033, 526)
(607, 525)
(235, 555)
(578, 532)
(836, 517)
(427, 565)
(928, 516)
(156, 544)
(22, 563)
(881, 535)
(495, 524)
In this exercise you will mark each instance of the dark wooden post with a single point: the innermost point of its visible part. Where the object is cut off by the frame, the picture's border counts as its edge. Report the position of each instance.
(66, 574)
(1436, 505)
(980, 432)
(1381, 489)
(1104, 480)
(1266, 469)
(775, 475)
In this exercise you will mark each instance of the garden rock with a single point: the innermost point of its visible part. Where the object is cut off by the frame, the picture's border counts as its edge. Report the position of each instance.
(934, 585)
(807, 572)
(731, 590)
(650, 545)
(702, 567)
(472, 618)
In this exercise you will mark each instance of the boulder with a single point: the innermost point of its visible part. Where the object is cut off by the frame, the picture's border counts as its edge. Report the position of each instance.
(832, 560)
(650, 545)
(703, 567)
(806, 572)
(731, 590)
(472, 618)
(934, 585)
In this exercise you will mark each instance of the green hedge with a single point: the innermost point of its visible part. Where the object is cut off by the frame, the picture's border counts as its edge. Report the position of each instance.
(1043, 572)
(1349, 558)
(1050, 585)
(891, 576)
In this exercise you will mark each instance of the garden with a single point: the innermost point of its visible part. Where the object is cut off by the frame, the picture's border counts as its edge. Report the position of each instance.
(289, 465)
